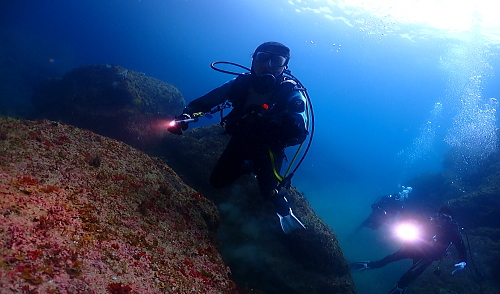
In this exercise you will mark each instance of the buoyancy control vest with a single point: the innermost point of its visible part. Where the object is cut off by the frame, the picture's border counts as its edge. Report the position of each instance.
(278, 112)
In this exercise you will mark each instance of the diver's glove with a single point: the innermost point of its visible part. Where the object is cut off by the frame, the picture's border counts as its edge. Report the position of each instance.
(459, 267)
(360, 266)
(179, 124)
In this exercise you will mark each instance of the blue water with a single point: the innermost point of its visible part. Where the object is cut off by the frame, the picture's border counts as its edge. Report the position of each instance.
(387, 108)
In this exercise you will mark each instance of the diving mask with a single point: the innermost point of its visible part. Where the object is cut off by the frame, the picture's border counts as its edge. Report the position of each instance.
(274, 60)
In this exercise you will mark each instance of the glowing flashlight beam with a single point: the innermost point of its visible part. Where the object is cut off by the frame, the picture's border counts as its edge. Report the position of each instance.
(407, 232)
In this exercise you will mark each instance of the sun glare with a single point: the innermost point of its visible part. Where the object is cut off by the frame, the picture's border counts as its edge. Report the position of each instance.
(446, 16)
(457, 15)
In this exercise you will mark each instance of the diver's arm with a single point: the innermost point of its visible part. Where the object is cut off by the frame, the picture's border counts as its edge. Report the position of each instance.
(294, 121)
(208, 101)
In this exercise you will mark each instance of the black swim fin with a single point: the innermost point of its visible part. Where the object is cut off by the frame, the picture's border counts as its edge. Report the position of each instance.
(290, 222)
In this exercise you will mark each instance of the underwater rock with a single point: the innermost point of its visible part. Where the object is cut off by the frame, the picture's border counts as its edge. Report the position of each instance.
(478, 210)
(82, 213)
(473, 194)
(252, 243)
(478, 202)
(110, 100)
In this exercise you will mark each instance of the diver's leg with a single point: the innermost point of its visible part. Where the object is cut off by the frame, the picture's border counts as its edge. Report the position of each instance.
(402, 253)
(376, 219)
(418, 267)
(267, 168)
(229, 165)
(364, 224)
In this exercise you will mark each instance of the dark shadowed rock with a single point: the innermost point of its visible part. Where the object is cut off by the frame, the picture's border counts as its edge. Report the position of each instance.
(82, 213)
(110, 100)
(260, 255)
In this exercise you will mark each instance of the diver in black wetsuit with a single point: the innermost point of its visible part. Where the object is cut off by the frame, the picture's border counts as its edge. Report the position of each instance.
(268, 116)
(385, 209)
(442, 231)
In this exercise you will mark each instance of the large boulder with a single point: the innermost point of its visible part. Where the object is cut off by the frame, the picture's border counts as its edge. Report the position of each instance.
(110, 100)
(82, 213)
(260, 255)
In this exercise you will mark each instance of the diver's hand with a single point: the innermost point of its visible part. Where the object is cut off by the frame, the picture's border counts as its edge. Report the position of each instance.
(179, 124)
(459, 267)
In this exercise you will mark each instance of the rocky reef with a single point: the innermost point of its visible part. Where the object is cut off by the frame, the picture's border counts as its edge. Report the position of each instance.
(260, 255)
(109, 100)
(82, 213)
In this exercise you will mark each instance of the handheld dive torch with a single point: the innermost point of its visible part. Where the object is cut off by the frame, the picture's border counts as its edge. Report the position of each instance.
(180, 123)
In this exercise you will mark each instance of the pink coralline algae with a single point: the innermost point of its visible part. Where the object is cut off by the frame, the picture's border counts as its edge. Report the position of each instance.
(82, 213)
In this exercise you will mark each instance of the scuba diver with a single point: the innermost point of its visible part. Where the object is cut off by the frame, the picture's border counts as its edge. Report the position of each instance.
(441, 231)
(385, 208)
(268, 115)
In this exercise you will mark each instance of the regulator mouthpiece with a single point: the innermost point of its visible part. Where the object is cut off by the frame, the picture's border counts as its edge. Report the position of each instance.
(267, 80)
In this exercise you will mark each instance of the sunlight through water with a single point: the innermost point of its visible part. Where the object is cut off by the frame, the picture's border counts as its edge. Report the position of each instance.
(443, 18)
(473, 135)
(471, 27)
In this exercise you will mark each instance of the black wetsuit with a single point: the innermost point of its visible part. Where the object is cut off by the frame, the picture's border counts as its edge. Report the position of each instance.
(442, 233)
(263, 122)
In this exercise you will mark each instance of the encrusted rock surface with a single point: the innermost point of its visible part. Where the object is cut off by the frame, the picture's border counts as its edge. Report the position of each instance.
(82, 213)
(260, 255)
(110, 100)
